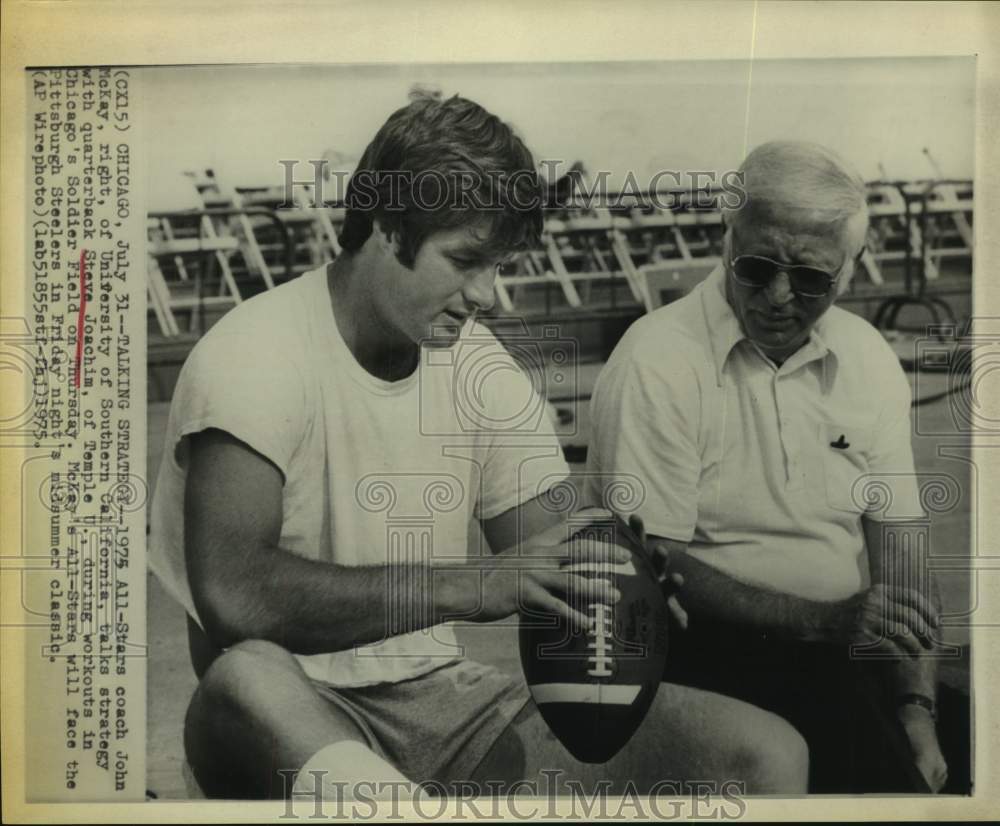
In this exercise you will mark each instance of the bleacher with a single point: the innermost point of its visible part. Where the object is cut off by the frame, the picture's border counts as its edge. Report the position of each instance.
(213, 244)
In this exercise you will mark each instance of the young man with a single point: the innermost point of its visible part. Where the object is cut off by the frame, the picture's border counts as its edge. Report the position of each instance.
(761, 419)
(329, 443)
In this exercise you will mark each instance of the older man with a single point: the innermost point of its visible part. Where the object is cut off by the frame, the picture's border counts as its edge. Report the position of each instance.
(759, 418)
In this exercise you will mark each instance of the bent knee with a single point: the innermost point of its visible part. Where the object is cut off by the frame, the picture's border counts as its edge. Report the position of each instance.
(262, 649)
(249, 687)
(777, 761)
(249, 658)
(245, 669)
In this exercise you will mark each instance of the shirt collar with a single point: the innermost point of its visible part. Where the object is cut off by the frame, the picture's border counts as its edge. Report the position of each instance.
(724, 331)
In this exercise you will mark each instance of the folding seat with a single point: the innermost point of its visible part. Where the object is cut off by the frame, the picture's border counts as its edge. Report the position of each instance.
(947, 208)
(302, 224)
(672, 249)
(189, 268)
(589, 250)
(894, 228)
(228, 217)
(529, 271)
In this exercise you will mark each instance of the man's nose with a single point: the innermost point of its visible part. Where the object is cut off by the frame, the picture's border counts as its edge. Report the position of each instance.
(779, 291)
(479, 290)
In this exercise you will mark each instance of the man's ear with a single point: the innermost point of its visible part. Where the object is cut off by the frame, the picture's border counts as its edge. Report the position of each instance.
(387, 240)
(727, 239)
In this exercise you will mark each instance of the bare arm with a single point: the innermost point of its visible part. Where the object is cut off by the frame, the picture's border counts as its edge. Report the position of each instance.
(891, 559)
(914, 675)
(518, 525)
(246, 587)
(711, 593)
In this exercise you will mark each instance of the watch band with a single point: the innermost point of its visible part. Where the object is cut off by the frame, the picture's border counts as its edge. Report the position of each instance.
(921, 700)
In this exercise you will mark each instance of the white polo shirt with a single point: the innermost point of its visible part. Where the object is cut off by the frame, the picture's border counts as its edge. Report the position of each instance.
(765, 471)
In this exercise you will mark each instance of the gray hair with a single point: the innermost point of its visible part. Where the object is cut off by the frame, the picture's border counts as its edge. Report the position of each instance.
(803, 183)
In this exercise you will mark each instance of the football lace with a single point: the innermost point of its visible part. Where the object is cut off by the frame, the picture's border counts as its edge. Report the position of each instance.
(600, 640)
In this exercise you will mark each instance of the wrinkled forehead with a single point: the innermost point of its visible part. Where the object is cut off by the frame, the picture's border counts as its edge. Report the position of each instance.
(811, 219)
(793, 234)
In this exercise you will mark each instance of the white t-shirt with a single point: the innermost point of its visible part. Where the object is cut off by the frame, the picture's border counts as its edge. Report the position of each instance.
(375, 472)
(764, 471)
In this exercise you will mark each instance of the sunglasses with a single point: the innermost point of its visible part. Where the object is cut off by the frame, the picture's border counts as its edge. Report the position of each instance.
(757, 271)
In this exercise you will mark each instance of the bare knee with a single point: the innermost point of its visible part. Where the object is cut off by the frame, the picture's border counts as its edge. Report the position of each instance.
(254, 654)
(776, 761)
(237, 710)
(243, 681)
(245, 667)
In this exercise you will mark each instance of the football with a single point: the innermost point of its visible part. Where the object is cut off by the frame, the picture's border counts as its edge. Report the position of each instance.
(593, 688)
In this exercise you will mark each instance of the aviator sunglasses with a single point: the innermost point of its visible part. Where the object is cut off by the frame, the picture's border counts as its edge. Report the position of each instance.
(809, 282)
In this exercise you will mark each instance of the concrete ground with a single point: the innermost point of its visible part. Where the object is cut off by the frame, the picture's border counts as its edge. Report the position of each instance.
(171, 680)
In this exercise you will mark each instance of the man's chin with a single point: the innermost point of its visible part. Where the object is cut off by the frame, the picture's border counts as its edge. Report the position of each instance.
(776, 339)
(778, 342)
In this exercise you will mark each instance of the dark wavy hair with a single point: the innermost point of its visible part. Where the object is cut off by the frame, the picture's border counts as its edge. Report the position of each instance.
(451, 155)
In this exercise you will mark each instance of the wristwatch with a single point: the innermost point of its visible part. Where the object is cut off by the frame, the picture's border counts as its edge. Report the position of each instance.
(921, 700)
